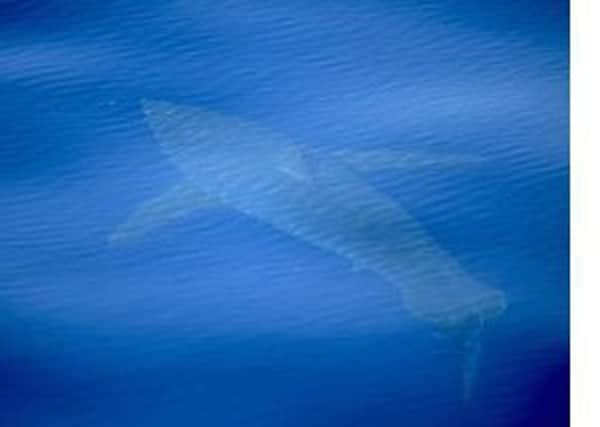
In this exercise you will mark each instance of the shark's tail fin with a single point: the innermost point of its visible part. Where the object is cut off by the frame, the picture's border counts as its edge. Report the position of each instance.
(466, 338)
(463, 327)
(470, 346)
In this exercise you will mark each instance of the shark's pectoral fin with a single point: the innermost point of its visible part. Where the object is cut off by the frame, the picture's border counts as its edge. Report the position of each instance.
(381, 160)
(299, 174)
(176, 203)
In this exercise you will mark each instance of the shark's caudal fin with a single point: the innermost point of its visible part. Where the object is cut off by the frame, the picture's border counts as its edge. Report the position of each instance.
(384, 159)
(467, 339)
(471, 349)
(179, 201)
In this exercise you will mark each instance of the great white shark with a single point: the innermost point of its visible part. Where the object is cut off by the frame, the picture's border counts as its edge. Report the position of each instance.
(321, 199)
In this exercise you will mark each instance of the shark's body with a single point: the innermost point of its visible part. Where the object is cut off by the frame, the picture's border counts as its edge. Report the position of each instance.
(319, 199)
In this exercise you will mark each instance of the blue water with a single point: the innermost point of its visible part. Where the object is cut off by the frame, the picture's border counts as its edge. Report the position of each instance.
(220, 320)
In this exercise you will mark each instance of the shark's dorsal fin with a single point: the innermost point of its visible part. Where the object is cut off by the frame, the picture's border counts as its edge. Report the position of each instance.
(385, 159)
(177, 202)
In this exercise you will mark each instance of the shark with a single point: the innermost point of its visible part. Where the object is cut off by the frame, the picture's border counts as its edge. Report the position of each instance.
(320, 198)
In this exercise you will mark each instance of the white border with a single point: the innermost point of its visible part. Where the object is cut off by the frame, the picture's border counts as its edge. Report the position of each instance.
(585, 213)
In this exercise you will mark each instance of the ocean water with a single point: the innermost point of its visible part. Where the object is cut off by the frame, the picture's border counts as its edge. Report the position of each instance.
(219, 319)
